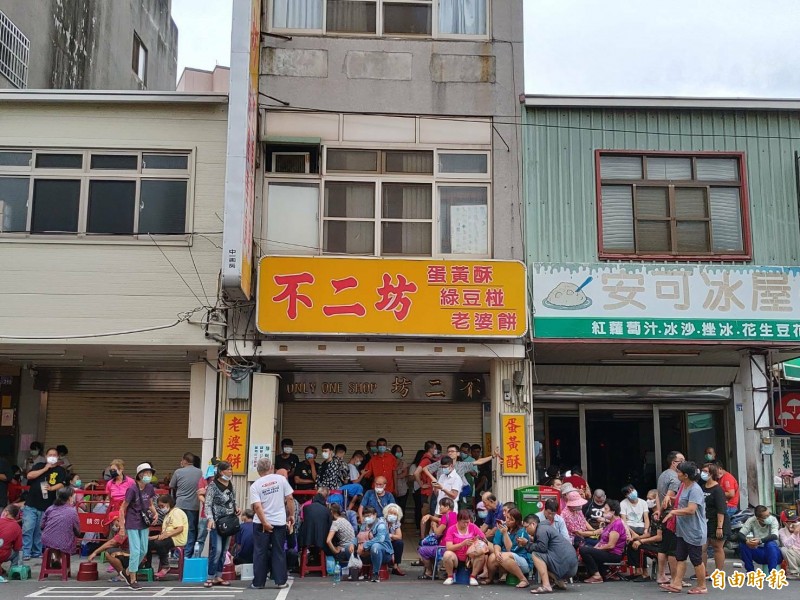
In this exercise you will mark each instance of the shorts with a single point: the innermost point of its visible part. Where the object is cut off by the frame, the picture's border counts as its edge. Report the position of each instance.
(669, 542)
(121, 555)
(685, 550)
(522, 563)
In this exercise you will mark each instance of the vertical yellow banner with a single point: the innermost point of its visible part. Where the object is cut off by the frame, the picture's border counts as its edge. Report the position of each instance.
(513, 433)
(234, 440)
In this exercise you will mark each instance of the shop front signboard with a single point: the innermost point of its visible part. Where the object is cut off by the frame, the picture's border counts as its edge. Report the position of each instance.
(401, 297)
(234, 440)
(513, 433)
(671, 302)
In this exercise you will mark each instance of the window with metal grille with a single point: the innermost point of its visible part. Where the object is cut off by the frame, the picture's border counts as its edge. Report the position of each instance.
(14, 52)
(672, 205)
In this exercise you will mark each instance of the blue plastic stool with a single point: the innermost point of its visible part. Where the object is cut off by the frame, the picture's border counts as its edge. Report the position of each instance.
(461, 576)
(195, 570)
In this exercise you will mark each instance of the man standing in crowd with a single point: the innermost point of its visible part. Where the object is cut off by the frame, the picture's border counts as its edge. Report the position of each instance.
(449, 483)
(44, 479)
(668, 485)
(287, 460)
(730, 486)
(483, 482)
(305, 474)
(332, 473)
(184, 487)
(272, 502)
(383, 464)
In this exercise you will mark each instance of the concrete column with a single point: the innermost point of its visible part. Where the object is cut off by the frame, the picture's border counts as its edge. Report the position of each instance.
(756, 420)
(504, 370)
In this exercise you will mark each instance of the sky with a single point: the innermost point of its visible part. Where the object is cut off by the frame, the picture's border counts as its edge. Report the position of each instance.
(727, 48)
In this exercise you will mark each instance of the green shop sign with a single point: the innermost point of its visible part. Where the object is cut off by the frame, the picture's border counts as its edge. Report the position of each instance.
(666, 302)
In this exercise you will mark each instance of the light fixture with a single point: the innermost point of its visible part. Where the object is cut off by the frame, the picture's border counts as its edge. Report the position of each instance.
(32, 352)
(661, 353)
(622, 361)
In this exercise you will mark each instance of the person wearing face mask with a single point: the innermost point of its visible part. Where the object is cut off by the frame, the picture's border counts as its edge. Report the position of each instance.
(719, 524)
(394, 521)
(139, 501)
(731, 488)
(646, 545)
(634, 511)
(758, 541)
(287, 460)
(35, 456)
(118, 484)
(355, 462)
(184, 486)
(60, 526)
(465, 470)
(710, 455)
(45, 479)
(379, 497)
(174, 533)
(220, 504)
(332, 473)
(383, 464)
(609, 548)
(401, 476)
(305, 475)
(378, 548)
(449, 483)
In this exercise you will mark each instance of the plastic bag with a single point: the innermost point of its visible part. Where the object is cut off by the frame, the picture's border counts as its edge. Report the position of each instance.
(354, 564)
(228, 559)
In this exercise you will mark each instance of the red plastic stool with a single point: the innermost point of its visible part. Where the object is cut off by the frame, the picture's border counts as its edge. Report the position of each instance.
(383, 572)
(306, 568)
(179, 569)
(63, 569)
(229, 572)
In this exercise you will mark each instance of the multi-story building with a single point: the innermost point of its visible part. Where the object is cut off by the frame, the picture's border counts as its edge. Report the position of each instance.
(387, 223)
(663, 251)
(109, 246)
(200, 80)
(78, 44)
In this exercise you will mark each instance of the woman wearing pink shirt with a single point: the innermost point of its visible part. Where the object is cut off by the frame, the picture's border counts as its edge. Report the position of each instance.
(459, 539)
(118, 485)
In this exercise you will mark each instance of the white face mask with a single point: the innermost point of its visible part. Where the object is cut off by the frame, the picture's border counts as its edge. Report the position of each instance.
(326, 455)
(287, 449)
(52, 460)
(379, 490)
(651, 503)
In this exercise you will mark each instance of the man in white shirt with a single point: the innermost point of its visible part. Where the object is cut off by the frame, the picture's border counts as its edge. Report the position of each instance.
(449, 483)
(273, 505)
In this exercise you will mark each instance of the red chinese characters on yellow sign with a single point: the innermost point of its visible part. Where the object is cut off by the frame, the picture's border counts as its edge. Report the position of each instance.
(391, 296)
(234, 440)
(513, 434)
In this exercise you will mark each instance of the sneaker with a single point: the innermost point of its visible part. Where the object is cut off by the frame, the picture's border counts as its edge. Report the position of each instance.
(448, 581)
(375, 579)
(134, 585)
(282, 586)
(257, 587)
(126, 576)
(473, 582)
(26, 558)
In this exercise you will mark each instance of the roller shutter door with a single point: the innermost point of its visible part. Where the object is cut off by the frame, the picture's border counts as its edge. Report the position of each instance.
(99, 426)
(409, 424)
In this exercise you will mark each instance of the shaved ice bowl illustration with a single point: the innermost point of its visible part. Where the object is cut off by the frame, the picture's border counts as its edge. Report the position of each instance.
(567, 296)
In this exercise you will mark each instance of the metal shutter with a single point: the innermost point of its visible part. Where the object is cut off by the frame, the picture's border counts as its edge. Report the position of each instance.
(409, 424)
(99, 426)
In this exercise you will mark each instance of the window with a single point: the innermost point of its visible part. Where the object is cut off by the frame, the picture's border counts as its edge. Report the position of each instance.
(672, 205)
(91, 193)
(373, 202)
(427, 18)
(139, 59)
(14, 53)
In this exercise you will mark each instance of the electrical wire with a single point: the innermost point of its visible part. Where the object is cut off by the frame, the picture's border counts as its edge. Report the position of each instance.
(164, 254)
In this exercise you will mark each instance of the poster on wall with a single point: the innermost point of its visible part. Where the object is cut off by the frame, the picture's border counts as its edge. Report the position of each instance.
(234, 440)
(514, 444)
(258, 451)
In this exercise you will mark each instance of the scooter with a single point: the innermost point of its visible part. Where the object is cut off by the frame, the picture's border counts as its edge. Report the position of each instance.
(738, 519)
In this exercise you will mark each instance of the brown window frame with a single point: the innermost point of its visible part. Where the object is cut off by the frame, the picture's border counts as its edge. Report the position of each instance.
(671, 185)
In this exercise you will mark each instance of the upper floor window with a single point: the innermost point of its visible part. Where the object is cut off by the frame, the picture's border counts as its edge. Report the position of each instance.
(84, 192)
(425, 18)
(393, 202)
(672, 205)
(139, 59)
(14, 52)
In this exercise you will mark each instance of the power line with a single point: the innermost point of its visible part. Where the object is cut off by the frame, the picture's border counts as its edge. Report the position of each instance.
(186, 283)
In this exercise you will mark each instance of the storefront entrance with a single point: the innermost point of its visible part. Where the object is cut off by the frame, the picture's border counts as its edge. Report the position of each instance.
(620, 444)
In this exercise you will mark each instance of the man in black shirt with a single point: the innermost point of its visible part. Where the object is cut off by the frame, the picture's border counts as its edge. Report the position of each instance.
(44, 479)
(305, 476)
(287, 460)
(593, 511)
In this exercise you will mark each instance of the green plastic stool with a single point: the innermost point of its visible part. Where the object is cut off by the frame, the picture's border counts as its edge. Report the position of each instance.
(145, 573)
(511, 580)
(21, 572)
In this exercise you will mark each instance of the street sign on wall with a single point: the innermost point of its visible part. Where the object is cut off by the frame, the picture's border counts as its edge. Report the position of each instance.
(680, 302)
(381, 296)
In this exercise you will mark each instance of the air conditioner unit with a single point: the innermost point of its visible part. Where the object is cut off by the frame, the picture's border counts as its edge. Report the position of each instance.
(291, 162)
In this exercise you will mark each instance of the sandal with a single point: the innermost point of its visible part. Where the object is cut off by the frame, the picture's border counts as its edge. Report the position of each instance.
(523, 584)
(593, 580)
(542, 590)
(698, 590)
(424, 576)
(208, 584)
(670, 589)
(222, 582)
(686, 584)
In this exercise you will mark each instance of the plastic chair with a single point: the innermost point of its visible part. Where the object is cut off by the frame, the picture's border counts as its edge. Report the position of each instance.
(179, 569)
(307, 568)
(63, 568)
(21, 572)
(146, 572)
(440, 550)
(383, 573)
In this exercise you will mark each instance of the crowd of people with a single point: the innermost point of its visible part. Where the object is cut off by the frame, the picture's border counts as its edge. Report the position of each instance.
(352, 512)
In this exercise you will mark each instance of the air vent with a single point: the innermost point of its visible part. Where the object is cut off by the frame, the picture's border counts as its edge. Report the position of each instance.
(291, 162)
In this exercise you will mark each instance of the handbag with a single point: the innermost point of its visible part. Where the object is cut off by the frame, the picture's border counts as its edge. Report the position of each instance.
(430, 540)
(147, 518)
(228, 525)
(672, 524)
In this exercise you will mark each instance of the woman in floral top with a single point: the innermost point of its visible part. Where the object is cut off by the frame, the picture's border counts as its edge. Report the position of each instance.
(577, 526)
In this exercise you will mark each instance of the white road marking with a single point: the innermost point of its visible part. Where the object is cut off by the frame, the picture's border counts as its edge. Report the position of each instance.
(146, 592)
(284, 592)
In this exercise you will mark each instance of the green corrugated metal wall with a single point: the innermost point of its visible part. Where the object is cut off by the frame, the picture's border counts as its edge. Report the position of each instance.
(560, 180)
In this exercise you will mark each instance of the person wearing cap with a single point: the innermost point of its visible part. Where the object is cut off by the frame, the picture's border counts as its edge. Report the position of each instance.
(594, 509)
(789, 538)
(578, 529)
(566, 488)
(139, 501)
